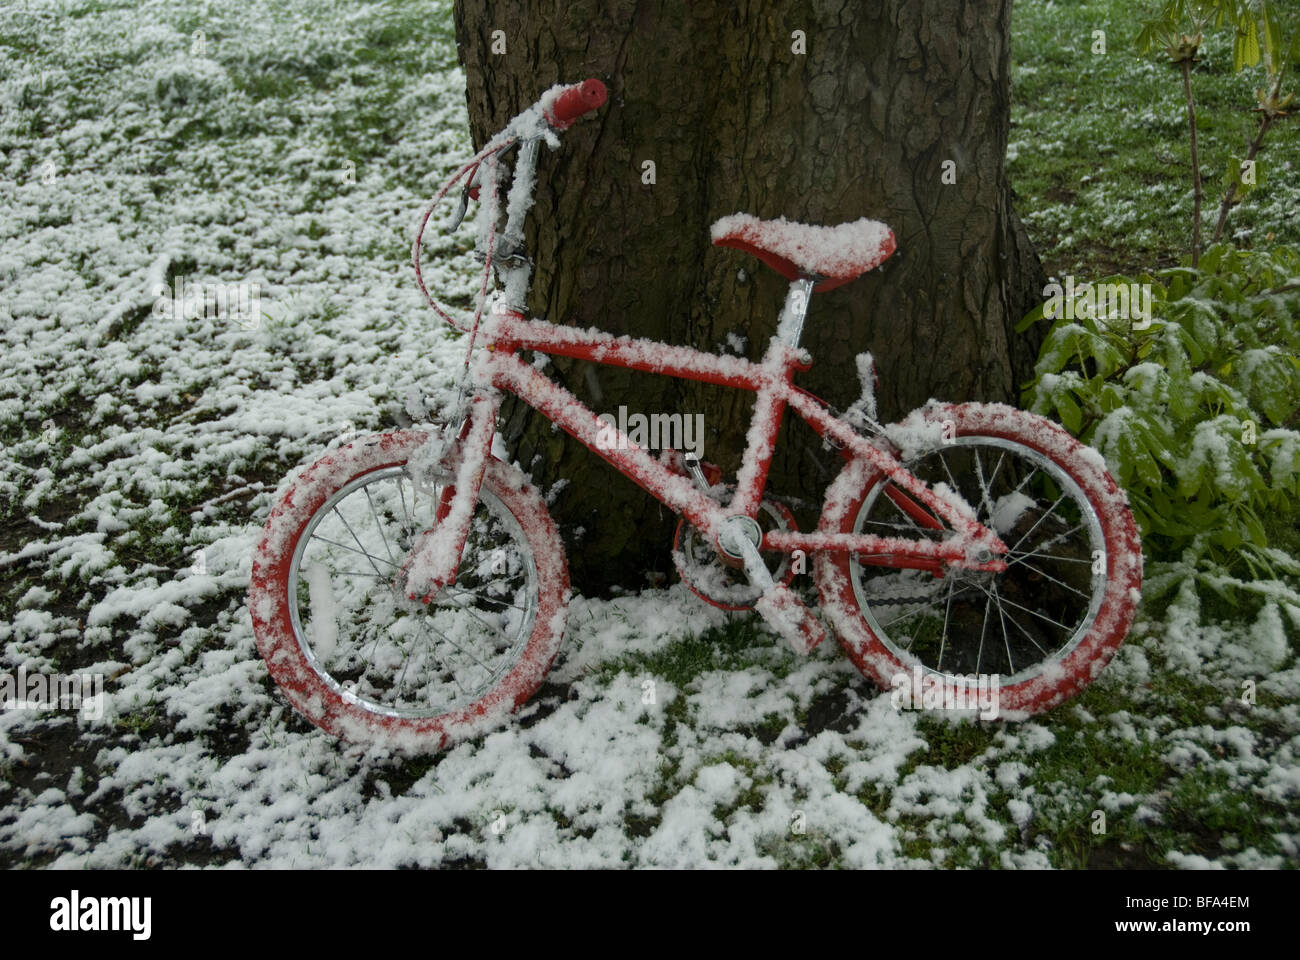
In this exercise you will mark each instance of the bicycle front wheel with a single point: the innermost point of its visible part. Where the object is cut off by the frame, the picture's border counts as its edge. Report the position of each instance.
(1046, 625)
(358, 658)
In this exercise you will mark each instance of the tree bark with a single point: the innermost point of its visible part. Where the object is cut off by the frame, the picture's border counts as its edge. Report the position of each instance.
(735, 118)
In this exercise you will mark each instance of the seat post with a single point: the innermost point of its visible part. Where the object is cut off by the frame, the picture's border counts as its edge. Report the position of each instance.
(789, 329)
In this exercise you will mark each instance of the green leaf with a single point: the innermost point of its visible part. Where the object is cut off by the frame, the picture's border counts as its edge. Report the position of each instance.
(1061, 346)
(1245, 49)
(1071, 415)
(1145, 447)
(1162, 443)
(1032, 317)
(1146, 38)
(1227, 535)
(1253, 526)
(1272, 36)
(1169, 518)
(1200, 319)
(1221, 585)
(1110, 398)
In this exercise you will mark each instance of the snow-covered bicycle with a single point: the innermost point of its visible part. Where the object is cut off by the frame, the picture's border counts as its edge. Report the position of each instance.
(411, 589)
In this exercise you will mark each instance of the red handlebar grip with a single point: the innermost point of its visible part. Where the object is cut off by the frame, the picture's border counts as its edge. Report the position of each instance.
(574, 102)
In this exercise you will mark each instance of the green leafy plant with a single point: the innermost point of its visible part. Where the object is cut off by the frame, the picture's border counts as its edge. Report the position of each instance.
(1193, 405)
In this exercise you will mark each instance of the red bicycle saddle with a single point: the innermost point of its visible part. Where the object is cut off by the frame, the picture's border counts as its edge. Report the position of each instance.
(834, 255)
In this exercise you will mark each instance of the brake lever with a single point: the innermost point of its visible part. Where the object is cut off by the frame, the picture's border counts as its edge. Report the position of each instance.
(461, 207)
(470, 192)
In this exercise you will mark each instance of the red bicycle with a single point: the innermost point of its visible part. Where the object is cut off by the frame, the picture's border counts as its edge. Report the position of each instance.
(410, 588)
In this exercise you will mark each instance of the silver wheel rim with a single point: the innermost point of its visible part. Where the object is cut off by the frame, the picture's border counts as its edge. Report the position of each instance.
(1039, 548)
(460, 646)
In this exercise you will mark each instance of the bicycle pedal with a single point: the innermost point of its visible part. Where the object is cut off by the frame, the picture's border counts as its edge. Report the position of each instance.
(786, 614)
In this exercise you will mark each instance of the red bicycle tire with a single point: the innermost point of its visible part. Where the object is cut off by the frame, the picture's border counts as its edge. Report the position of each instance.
(1088, 656)
(309, 692)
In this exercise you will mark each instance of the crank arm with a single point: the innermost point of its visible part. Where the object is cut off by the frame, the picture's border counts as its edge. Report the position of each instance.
(778, 605)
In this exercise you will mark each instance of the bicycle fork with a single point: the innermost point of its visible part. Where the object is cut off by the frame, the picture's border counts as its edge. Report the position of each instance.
(435, 555)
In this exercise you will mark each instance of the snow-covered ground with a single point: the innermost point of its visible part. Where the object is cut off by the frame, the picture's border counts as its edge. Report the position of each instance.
(291, 145)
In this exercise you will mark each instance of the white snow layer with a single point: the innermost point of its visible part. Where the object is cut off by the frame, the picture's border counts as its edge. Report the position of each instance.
(841, 250)
(143, 450)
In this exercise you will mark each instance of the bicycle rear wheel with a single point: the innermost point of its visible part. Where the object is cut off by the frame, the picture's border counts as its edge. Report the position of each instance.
(358, 658)
(1045, 626)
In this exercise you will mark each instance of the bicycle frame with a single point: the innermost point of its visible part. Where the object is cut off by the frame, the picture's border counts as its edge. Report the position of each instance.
(508, 332)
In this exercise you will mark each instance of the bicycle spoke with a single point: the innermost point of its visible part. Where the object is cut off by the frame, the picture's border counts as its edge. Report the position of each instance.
(359, 643)
(985, 492)
(344, 546)
(1028, 636)
(378, 523)
(993, 477)
(912, 524)
(454, 674)
(358, 540)
(1038, 521)
(458, 592)
(984, 626)
(1033, 613)
(1058, 539)
(1049, 556)
(406, 664)
(1044, 573)
(374, 648)
(923, 608)
(470, 611)
(1029, 476)
(458, 647)
(431, 494)
(424, 626)
(947, 615)
(1006, 641)
(1019, 626)
(401, 493)
(956, 490)
(908, 616)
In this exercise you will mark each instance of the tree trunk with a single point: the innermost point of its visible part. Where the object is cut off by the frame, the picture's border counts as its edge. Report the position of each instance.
(821, 111)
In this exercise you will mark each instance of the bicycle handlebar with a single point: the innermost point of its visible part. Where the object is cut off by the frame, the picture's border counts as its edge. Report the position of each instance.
(572, 102)
(555, 112)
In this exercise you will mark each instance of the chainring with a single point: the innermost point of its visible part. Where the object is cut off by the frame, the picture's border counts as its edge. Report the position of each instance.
(704, 572)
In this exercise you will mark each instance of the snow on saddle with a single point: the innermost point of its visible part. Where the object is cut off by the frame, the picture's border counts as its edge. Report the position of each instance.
(831, 255)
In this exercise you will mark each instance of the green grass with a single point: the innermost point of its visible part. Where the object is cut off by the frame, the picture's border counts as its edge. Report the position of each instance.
(1087, 767)
(738, 644)
(140, 720)
(1099, 154)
